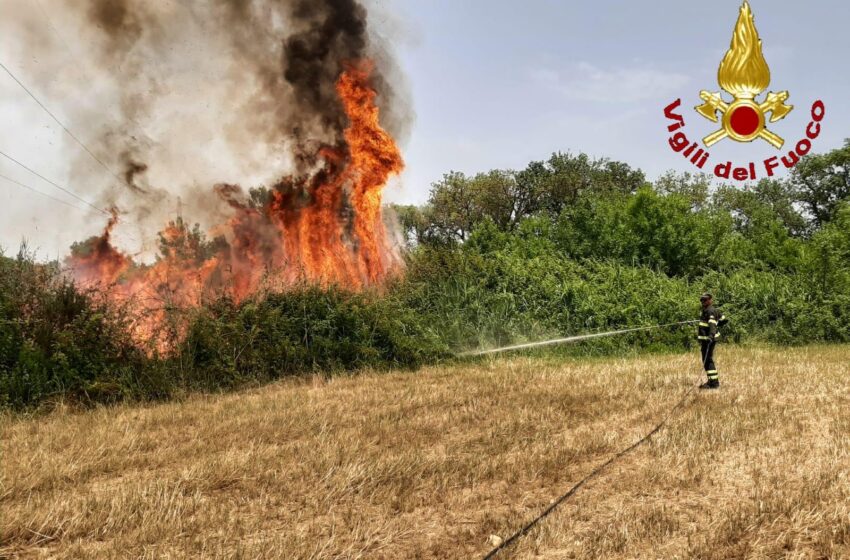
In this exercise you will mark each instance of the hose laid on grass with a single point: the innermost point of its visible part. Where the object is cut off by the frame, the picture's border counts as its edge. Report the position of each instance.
(601, 468)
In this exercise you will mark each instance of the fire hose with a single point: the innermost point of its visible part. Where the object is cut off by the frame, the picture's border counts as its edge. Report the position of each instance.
(569, 339)
(602, 467)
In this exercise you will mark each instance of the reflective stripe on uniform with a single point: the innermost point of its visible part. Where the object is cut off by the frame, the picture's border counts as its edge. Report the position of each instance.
(712, 321)
(703, 324)
(703, 338)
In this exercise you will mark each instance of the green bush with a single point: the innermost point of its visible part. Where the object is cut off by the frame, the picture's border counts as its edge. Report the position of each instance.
(564, 247)
(305, 329)
(56, 340)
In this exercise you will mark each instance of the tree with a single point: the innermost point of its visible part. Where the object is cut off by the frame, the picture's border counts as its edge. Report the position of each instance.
(826, 261)
(665, 233)
(457, 203)
(181, 242)
(774, 197)
(415, 223)
(452, 207)
(766, 216)
(646, 228)
(693, 187)
(822, 182)
(552, 185)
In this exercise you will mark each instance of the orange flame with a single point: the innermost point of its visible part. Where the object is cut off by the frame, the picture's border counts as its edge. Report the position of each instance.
(326, 229)
(374, 158)
(96, 261)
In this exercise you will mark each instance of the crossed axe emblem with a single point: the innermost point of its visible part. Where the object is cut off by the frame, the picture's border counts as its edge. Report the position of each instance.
(743, 119)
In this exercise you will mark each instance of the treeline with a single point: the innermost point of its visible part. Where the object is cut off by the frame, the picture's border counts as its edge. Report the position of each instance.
(776, 254)
(566, 245)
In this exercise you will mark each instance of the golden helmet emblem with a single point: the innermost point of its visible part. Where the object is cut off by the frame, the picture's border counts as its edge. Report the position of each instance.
(744, 74)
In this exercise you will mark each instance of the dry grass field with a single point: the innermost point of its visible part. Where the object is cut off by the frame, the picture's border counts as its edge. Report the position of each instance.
(431, 464)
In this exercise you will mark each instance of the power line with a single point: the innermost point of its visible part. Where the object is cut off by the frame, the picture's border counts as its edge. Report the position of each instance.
(70, 51)
(55, 29)
(60, 187)
(65, 128)
(44, 194)
(55, 185)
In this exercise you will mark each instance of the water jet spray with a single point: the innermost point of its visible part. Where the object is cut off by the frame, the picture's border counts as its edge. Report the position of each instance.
(568, 339)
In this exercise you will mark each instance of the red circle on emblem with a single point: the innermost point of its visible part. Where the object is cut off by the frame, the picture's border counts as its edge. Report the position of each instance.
(744, 120)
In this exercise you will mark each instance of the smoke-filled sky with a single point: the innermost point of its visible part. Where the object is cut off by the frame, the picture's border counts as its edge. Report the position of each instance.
(492, 84)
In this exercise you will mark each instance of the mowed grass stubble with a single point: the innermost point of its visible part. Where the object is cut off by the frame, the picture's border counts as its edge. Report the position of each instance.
(431, 464)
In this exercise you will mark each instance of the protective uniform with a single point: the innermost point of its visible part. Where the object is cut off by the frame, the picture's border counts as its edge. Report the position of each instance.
(707, 334)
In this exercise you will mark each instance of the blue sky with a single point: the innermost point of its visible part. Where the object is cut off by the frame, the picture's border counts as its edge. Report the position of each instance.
(498, 83)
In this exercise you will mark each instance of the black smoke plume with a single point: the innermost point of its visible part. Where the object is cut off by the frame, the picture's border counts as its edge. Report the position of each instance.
(177, 96)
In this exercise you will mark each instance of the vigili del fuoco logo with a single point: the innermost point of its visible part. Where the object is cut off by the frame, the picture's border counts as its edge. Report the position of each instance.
(744, 75)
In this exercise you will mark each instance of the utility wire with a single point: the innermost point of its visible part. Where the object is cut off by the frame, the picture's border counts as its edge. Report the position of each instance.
(70, 52)
(71, 134)
(29, 188)
(60, 123)
(53, 27)
(58, 186)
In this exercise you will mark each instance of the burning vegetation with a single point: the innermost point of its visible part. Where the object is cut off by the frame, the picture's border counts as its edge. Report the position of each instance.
(321, 223)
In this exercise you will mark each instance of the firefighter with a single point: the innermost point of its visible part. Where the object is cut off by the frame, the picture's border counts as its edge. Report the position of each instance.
(708, 333)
